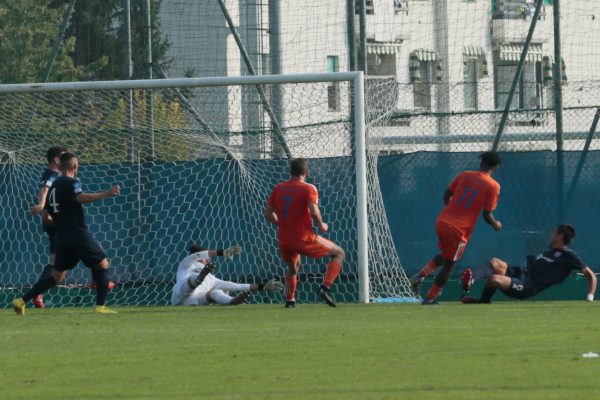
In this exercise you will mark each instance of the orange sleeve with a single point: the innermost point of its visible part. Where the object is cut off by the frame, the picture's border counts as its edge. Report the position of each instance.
(492, 200)
(454, 183)
(313, 195)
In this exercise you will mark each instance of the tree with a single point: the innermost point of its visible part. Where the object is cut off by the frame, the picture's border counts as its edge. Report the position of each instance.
(28, 31)
(98, 29)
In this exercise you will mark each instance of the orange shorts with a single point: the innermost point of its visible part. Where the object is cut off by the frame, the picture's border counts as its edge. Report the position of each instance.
(313, 249)
(452, 243)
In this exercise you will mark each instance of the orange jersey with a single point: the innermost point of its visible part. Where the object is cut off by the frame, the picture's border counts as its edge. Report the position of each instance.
(290, 201)
(472, 192)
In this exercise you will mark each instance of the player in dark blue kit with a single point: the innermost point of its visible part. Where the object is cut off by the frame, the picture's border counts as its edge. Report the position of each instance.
(73, 240)
(48, 177)
(549, 268)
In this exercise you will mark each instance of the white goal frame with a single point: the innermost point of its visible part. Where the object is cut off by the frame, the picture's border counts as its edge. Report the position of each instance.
(356, 78)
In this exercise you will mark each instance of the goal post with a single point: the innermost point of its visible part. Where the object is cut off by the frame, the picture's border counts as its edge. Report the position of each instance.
(207, 132)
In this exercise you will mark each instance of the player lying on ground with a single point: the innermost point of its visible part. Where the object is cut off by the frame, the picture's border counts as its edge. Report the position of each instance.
(547, 269)
(471, 193)
(48, 177)
(74, 242)
(197, 286)
(293, 206)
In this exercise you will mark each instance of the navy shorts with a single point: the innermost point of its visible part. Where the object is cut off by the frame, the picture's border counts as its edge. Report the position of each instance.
(521, 286)
(82, 248)
(51, 232)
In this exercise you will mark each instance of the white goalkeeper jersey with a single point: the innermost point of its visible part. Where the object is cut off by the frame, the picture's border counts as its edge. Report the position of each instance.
(191, 267)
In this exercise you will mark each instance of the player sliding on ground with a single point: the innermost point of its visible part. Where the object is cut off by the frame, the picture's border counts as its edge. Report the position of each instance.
(547, 269)
(73, 240)
(467, 195)
(291, 207)
(197, 286)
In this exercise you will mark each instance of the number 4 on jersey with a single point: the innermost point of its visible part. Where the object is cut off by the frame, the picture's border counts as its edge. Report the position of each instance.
(53, 202)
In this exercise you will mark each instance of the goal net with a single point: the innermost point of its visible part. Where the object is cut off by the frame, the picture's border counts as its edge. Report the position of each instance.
(196, 160)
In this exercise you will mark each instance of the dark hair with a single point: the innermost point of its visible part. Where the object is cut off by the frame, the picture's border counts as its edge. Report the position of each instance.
(490, 159)
(194, 248)
(568, 232)
(54, 152)
(67, 161)
(299, 166)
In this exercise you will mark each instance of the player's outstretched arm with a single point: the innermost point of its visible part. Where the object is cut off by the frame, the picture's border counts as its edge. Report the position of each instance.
(37, 209)
(91, 197)
(489, 218)
(315, 213)
(270, 215)
(589, 274)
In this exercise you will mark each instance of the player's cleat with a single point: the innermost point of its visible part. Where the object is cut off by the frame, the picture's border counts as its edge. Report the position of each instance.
(325, 294)
(470, 300)
(19, 306)
(415, 284)
(104, 310)
(290, 304)
(430, 302)
(38, 301)
(466, 279)
(239, 299)
(208, 268)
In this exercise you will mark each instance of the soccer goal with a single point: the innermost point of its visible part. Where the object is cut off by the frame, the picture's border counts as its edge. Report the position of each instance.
(196, 159)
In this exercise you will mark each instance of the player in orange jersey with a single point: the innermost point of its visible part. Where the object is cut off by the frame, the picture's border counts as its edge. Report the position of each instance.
(291, 207)
(467, 195)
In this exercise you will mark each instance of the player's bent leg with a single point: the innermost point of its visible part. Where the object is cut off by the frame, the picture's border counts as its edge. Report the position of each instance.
(440, 280)
(494, 282)
(499, 266)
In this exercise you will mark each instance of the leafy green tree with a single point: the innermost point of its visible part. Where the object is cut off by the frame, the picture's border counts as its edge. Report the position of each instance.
(98, 29)
(28, 31)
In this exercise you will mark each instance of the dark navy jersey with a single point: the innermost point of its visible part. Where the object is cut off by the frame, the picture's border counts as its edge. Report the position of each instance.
(66, 212)
(48, 178)
(552, 267)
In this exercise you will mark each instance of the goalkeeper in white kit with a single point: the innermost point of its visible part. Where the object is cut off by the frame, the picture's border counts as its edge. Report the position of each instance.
(197, 286)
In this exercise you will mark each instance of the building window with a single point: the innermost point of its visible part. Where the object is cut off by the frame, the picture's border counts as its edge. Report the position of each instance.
(470, 83)
(422, 87)
(333, 88)
(369, 7)
(528, 93)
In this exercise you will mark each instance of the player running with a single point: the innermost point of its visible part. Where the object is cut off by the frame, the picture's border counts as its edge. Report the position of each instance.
(547, 269)
(73, 240)
(468, 194)
(291, 207)
(197, 286)
(48, 177)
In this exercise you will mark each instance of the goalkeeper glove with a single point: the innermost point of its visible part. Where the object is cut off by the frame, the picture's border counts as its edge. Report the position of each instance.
(231, 251)
(272, 286)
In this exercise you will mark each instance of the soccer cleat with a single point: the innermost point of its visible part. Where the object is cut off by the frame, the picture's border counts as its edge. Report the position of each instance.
(415, 284)
(325, 294)
(290, 304)
(239, 299)
(466, 279)
(208, 268)
(470, 300)
(38, 301)
(104, 310)
(430, 302)
(19, 306)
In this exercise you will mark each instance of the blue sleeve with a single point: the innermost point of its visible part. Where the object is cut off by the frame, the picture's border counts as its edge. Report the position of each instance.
(576, 262)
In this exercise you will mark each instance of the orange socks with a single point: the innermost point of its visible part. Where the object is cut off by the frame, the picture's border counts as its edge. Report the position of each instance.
(291, 281)
(333, 270)
(434, 292)
(428, 269)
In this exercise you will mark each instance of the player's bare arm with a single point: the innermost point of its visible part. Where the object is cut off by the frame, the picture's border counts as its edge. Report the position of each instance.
(315, 214)
(91, 197)
(37, 209)
(490, 220)
(591, 277)
(447, 196)
(270, 215)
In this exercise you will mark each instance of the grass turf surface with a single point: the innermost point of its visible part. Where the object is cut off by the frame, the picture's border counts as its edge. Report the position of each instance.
(507, 350)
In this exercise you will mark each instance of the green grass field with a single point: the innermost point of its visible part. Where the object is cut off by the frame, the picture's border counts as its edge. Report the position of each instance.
(507, 350)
